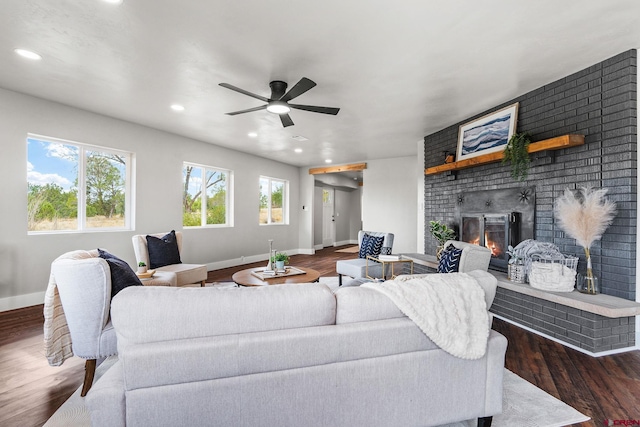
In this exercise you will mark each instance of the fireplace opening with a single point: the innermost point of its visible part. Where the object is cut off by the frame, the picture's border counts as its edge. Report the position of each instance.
(493, 231)
(496, 219)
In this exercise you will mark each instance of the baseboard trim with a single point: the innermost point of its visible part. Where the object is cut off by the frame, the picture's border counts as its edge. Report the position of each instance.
(21, 301)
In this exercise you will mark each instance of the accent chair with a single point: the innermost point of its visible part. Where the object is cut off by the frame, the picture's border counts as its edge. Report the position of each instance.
(186, 274)
(357, 268)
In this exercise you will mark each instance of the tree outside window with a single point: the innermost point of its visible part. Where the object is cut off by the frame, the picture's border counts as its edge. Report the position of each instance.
(273, 201)
(205, 198)
(75, 187)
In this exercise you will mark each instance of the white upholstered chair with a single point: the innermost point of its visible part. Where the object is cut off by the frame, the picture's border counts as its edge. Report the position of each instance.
(357, 268)
(185, 273)
(84, 287)
(474, 257)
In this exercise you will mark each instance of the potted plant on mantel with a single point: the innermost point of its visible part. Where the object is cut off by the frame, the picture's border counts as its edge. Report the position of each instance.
(441, 232)
(516, 152)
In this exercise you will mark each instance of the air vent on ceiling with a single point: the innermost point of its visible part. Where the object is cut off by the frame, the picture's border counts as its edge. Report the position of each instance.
(300, 138)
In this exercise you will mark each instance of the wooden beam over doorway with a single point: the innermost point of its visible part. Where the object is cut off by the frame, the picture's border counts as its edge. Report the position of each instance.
(343, 168)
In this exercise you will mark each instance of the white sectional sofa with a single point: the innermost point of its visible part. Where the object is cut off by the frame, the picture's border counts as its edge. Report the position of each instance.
(286, 355)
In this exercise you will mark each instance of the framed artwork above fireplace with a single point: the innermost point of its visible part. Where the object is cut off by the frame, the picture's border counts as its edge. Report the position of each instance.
(488, 134)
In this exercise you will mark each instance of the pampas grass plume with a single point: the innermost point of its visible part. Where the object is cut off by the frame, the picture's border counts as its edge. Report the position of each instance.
(587, 217)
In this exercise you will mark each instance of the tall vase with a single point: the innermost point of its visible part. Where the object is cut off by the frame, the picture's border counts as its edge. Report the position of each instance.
(588, 283)
(269, 265)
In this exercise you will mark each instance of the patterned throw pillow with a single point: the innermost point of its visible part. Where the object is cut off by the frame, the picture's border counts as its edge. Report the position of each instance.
(371, 245)
(449, 260)
(122, 275)
(163, 251)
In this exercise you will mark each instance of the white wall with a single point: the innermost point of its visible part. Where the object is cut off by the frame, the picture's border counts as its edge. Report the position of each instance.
(25, 259)
(389, 202)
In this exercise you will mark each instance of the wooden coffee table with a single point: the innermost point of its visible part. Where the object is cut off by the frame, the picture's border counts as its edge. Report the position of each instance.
(245, 278)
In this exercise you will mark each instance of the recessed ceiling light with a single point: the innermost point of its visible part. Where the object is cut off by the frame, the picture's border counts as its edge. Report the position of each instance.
(252, 134)
(298, 150)
(27, 54)
(176, 107)
(328, 161)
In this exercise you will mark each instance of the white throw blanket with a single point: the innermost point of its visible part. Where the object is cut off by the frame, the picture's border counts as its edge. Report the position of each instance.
(57, 339)
(449, 308)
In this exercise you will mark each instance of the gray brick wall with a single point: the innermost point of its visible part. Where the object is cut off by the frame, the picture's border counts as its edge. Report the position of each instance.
(582, 329)
(598, 102)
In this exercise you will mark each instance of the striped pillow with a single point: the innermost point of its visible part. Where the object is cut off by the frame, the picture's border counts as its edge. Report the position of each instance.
(449, 260)
(371, 245)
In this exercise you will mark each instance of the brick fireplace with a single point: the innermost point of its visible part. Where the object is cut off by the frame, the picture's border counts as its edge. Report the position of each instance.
(598, 102)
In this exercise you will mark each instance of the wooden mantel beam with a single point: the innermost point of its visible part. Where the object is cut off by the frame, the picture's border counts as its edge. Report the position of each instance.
(342, 168)
(557, 143)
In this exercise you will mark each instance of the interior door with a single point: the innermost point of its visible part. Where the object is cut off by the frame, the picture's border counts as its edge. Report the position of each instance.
(328, 217)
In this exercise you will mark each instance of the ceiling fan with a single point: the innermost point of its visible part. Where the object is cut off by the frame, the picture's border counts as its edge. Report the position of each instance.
(278, 103)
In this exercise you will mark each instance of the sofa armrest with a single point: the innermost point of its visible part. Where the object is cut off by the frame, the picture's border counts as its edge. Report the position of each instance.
(84, 286)
(106, 400)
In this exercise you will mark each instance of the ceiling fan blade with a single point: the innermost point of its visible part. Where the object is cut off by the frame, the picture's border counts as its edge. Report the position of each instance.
(248, 110)
(301, 87)
(286, 120)
(244, 92)
(315, 109)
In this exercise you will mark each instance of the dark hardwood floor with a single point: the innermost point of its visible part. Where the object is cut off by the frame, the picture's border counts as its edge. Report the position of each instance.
(602, 388)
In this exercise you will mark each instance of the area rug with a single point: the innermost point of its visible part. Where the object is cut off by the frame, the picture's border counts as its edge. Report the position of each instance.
(524, 405)
(349, 250)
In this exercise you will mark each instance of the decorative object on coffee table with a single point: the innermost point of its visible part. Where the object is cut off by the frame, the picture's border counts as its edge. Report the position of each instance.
(270, 264)
(280, 260)
(584, 216)
(441, 232)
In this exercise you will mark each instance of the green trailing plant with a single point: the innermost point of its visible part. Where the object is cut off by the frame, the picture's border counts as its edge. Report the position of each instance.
(517, 153)
(441, 232)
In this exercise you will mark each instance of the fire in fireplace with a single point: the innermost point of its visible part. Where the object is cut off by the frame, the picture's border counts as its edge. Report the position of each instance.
(494, 231)
(496, 219)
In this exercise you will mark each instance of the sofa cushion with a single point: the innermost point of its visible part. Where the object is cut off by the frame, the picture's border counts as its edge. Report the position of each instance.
(164, 250)
(213, 312)
(122, 275)
(357, 304)
(371, 245)
(449, 260)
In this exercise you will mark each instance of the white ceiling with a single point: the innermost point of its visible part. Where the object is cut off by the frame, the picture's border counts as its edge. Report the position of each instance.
(398, 70)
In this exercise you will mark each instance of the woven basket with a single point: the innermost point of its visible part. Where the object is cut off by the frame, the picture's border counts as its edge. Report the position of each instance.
(554, 274)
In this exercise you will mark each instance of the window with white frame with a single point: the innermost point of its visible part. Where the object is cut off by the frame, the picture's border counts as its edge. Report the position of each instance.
(73, 186)
(274, 199)
(206, 196)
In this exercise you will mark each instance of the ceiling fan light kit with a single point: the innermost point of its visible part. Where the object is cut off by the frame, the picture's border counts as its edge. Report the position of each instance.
(278, 107)
(278, 103)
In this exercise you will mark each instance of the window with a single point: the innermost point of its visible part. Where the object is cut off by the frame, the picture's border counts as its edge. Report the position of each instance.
(76, 187)
(206, 195)
(273, 201)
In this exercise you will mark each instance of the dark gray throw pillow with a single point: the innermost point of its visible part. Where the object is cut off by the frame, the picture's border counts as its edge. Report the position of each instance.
(163, 251)
(122, 275)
